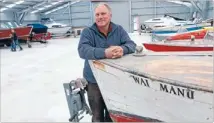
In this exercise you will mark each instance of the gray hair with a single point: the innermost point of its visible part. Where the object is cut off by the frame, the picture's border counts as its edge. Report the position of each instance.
(104, 4)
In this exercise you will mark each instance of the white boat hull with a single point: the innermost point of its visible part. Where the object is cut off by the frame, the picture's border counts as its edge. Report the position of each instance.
(141, 98)
(59, 30)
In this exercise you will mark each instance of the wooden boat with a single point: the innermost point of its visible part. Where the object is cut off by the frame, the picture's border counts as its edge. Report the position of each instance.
(157, 87)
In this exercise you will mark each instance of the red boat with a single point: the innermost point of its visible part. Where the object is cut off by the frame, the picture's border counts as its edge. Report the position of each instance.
(22, 33)
(199, 34)
(161, 47)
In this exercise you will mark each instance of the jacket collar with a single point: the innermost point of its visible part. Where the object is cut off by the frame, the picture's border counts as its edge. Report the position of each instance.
(112, 26)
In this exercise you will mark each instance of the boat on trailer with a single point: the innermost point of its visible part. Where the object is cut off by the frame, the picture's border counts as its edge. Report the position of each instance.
(21, 31)
(150, 87)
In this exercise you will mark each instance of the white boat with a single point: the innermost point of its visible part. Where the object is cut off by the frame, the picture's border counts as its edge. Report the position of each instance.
(170, 25)
(164, 22)
(168, 87)
(57, 28)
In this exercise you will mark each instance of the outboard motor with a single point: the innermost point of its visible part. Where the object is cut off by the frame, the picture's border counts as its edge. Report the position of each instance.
(75, 95)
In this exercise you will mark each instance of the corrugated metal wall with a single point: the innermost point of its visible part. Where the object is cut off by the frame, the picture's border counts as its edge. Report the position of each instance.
(210, 11)
(123, 12)
(6, 16)
(120, 13)
(31, 18)
(80, 14)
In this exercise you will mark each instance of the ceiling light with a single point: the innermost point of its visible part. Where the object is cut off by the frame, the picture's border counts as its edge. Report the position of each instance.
(54, 3)
(19, 2)
(11, 5)
(2, 9)
(35, 11)
(41, 8)
(48, 6)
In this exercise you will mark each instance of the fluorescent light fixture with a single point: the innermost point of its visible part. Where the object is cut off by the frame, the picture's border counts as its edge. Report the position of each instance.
(2, 9)
(48, 6)
(48, 12)
(11, 5)
(41, 8)
(16, 3)
(62, 7)
(54, 3)
(35, 11)
(19, 2)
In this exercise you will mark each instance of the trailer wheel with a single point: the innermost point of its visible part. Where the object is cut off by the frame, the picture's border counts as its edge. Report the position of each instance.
(68, 33)
(8, 44)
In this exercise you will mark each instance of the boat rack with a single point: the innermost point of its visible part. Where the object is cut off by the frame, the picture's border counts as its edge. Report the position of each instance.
(75, 95)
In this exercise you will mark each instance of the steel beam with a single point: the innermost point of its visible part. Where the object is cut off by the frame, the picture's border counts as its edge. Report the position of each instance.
(199, 10)
(71, 3)
(33, 7)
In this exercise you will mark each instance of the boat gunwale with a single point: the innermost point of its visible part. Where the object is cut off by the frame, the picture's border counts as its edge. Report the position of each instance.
(156, 78)
(178, 45)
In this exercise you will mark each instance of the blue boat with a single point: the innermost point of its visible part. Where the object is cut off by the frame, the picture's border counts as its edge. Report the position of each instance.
(38, 28)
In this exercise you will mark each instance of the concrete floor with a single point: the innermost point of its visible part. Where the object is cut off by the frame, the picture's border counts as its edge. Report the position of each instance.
(32, 80)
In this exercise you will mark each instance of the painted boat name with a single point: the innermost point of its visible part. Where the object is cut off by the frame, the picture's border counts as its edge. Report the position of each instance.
(175, 90)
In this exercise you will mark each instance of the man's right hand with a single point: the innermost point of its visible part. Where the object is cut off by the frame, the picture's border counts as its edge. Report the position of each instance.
(109, 52)
(113, 52)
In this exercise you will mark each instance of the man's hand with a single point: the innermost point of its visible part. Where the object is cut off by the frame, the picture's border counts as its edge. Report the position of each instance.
(117, 52)
(109, 53)
(114, 52)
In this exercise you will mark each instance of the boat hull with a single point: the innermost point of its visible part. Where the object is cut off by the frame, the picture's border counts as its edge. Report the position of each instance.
(199, 34)
(22, 32)
(131, 96)
(59, 30)
(175, 48)
(38, 28)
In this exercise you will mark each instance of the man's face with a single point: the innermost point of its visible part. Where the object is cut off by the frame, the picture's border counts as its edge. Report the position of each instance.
(102, 16)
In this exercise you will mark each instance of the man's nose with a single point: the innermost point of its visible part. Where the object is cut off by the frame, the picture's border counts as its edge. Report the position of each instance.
(100, 16)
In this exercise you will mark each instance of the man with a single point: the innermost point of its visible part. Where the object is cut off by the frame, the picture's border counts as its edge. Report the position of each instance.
(13, 45)
(103, 39)
(30, 39)
(15, 41)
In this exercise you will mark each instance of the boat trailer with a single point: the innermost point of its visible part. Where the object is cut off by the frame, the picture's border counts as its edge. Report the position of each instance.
(75, 95)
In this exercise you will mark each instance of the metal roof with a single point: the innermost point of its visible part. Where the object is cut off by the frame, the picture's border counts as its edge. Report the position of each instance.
(30, 5)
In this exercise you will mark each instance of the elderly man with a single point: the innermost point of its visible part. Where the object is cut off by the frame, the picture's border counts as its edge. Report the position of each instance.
(104, 39)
